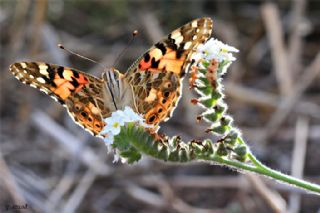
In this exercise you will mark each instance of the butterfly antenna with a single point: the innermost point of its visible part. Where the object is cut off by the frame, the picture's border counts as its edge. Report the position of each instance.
(81, 56)
(134, 33)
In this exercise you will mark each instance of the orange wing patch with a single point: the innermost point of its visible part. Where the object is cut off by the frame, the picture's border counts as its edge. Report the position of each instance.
(88, 116)
(166, 59)
(67, 81)
(163, 99)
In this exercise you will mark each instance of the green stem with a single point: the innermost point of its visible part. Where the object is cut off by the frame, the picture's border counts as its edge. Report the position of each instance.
(253, 159)
(261, 169)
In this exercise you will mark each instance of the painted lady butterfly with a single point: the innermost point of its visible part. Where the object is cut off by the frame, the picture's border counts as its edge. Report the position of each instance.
(151, 86)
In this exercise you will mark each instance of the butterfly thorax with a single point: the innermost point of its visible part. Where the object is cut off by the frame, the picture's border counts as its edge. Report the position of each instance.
(118, 92)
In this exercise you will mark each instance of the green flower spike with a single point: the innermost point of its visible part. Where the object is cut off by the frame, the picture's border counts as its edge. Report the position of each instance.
(230, 149)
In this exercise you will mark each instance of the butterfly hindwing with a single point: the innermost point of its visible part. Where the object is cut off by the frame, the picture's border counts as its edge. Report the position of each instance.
(80, 93)
(156, 76)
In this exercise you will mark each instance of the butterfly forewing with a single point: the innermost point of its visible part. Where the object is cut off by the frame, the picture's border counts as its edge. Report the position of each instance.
(80, 93)
(156, 76)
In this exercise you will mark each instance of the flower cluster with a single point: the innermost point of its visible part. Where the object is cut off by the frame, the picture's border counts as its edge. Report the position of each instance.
(215, 58)
(215, 49)
(116, 120)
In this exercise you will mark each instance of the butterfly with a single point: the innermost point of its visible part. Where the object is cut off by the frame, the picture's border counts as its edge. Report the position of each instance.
(151, 86)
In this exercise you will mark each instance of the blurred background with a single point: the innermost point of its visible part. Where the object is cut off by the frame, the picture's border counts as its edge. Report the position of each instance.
(273, 92)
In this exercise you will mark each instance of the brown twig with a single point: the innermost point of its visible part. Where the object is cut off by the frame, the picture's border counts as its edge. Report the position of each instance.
(272, 198)
(297, 32)
(70, 143)
(62, 187)
(168, 198)
(78, 195)
(37, 22)
(289, 101)
(152, 26)
(271, 18)
(265, 99)
(9, 182)
(298, 160)
(50, 41)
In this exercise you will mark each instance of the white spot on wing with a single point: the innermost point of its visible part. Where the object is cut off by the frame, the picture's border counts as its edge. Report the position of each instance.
(24, 65)
(41, 80)
(194, 24)
(175, 34)
(178, 40)
(187, 45)
(19, 75)
(43, 69)
(43, 90)
(152, 96)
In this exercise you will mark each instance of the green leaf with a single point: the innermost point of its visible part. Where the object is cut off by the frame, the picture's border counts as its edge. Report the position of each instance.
(205, 90)
(241, 150)
(205, 81)
(220, 130)
(208, 102)
(131, 154)
(216, 95)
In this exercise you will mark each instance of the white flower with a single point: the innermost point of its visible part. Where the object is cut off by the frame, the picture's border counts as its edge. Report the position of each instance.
(108, 138)
(117, 119)
(131, 115)
(114, 124)
(215, 49)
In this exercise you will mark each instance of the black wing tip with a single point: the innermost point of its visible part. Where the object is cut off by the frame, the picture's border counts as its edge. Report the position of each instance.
(16, 65)
(204, 19)
(12, 66)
